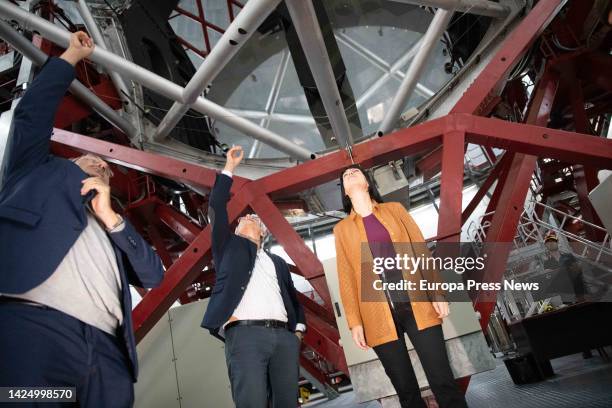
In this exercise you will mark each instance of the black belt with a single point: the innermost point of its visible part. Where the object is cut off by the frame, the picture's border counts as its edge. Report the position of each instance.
(9, 299)
(276, 324)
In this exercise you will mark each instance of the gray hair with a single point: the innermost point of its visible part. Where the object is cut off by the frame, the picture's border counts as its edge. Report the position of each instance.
(264, 230)
(107, 171)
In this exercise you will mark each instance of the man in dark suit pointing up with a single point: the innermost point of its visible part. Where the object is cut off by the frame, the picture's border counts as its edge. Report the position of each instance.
(254, 303)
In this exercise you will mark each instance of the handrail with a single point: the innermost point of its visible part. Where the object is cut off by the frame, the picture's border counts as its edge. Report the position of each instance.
(531, 224)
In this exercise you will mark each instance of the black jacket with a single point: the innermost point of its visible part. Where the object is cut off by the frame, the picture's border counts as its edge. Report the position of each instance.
(234, 259)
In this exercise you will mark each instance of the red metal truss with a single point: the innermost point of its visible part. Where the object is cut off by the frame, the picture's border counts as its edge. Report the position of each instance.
(523, 143)
(511, 195)
(520, 138)
(480, 97)
(488, 83)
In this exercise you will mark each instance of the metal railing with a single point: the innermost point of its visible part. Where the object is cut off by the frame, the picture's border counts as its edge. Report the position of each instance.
(532, 229)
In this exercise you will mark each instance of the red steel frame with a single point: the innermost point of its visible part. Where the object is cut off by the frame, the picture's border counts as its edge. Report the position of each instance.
(523, 143)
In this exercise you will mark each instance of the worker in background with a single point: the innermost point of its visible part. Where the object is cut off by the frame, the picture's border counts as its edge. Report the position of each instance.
(566, 263)
(67, 258)
(254, 304)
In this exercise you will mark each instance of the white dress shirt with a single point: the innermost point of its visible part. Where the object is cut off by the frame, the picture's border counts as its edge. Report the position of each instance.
(262, 298)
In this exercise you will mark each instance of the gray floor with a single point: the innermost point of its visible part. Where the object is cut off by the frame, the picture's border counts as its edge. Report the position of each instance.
(577, 383)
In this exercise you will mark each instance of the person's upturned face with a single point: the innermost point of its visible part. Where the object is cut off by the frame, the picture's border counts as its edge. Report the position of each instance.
(95, 167)
(250, 226)
(354, 180)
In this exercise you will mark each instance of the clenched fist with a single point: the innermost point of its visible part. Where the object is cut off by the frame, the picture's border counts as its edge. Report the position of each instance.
(101, 203)
(81, 46)
(234, 157)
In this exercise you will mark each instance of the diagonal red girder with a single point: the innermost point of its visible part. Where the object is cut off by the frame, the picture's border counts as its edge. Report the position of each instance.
(177, 222)
(488, 83)
(136, 159)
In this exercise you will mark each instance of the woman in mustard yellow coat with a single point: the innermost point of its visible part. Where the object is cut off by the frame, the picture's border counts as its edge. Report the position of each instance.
(379, 318)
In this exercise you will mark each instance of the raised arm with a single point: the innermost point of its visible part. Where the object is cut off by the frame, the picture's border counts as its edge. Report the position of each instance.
(35, 113)
(217, 202)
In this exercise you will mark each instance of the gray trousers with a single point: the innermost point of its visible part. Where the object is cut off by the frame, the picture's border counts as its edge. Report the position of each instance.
(262, 361)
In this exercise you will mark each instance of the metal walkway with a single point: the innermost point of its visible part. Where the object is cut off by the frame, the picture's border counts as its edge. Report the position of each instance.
(577, 383)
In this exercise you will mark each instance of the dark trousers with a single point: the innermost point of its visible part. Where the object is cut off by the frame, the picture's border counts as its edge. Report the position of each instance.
(429, 345)
(262, 361)
(45, 347)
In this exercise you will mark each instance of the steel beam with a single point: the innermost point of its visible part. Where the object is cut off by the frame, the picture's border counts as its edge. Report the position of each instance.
(151, 163)
(160, 247)
(98, 38)
(540, 141)
(249, 128)
(404, 142)
(478, 96)
(326, 338)
(304, 18)
(501, 182)
(479, 7)
(428, 44)
(451, 187)
(38, 57)
(236, 35)
(155, 82)
(177, 222)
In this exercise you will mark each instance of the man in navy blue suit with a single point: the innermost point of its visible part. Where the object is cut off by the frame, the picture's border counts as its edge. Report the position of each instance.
(67, 258)
(254, 303)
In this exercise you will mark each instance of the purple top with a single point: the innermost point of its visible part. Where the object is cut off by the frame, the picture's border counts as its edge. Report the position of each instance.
(378, 237)
(381, 246)
(375, 230)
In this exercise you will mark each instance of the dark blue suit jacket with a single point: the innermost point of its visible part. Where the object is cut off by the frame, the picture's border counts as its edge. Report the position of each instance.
(42, 212)
(234, 258)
